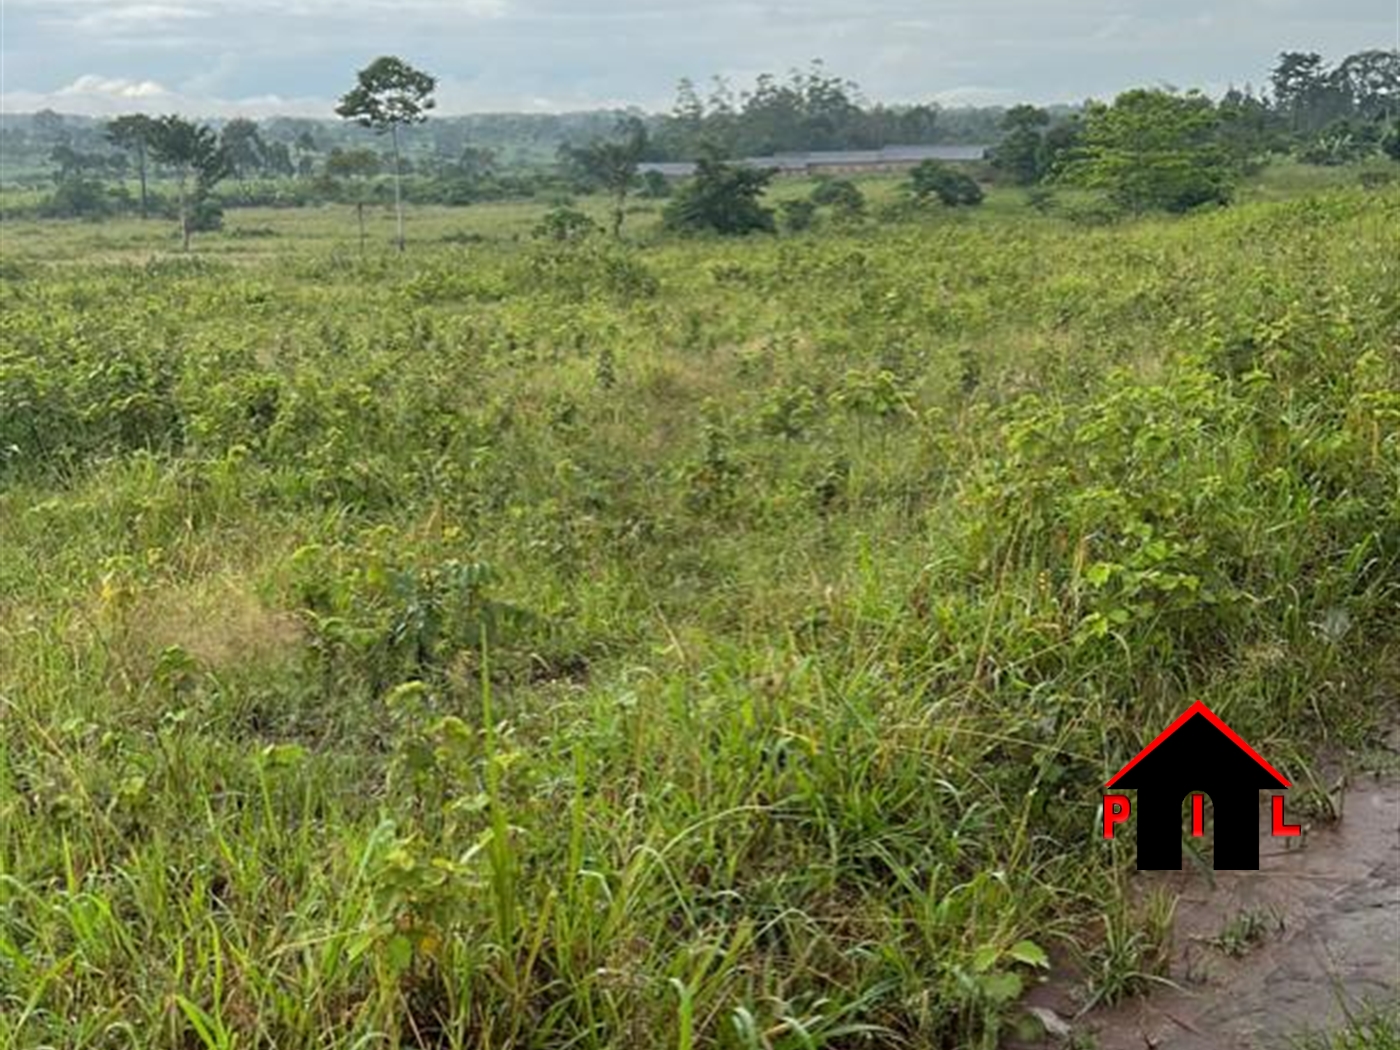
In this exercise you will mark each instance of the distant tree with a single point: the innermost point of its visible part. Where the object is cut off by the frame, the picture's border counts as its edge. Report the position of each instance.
(134, 133)
(840, 195)
(277, 160)
(1021, 153)
(1247, 129)
(1390, 145)
(390, 94)
(51, 127)
(798, 214)
(476, 162)
(74, 164)
(244, 147)
(1154, 149)
(199, 161)
(722, 198)
(1370, 80)
(564, 224)
(610, 165)
(953, 188)
(655, 186)
(1058, 145)
(1297, 78)
(357, 166)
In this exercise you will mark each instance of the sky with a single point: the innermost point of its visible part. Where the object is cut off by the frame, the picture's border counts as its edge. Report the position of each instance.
(220, 58)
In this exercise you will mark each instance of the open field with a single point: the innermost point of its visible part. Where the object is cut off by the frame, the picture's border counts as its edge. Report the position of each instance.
(678, 644)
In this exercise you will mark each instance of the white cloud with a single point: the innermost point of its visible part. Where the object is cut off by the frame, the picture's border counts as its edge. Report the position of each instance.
(116, 87)
(98, 96)
(972, 95)
(127, 18)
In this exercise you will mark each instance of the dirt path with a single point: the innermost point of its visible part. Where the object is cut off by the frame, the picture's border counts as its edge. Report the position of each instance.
(1327, 915)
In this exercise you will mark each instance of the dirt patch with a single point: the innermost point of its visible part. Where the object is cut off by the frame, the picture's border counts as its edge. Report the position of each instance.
(217, 622)
(1264, 955)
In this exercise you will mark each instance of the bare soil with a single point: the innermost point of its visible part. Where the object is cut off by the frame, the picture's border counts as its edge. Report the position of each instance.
(1324, 916)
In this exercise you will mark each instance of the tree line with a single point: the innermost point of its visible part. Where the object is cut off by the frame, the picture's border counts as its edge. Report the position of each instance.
(1150, 148)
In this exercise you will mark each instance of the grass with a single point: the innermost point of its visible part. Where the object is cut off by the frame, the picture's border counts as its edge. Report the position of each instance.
(686, 644)
(1374, 1028)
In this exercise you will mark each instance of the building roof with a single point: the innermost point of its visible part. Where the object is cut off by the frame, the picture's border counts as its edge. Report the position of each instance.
(1199, 733)
(807, 159)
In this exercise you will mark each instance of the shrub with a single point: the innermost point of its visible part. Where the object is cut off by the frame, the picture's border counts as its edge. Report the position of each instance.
(797, 215)
(841, 195)
(565, 224)
(953, 188)
(721, 198)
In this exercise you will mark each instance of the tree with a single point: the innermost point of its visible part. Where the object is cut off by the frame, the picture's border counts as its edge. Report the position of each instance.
(390, 94)
(841, 195)
(654, 185)
(134, 133)
(357, 165)
(1154, 149)
(1390, 145)
(953, 188)
(194, 152)
(611, 165)
(1296, 79)
(1371, 81)
(1021, 153)
(1247, 129)
(244, 147)
(723, 198)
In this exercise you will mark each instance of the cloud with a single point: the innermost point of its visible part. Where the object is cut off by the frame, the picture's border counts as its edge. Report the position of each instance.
(98, 96)
(972, 95)
(127, 18)
(115, 87)
(215, 56)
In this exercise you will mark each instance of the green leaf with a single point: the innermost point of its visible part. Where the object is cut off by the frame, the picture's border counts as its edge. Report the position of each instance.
(985, 958)
(1030, 953)
(1001, 987)
(399, 953)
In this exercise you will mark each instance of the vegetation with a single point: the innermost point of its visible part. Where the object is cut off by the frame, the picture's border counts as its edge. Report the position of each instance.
(721, 198)
(952, 188)
(559, 642)
(1153, 149)
(390, 94)
(610, 166)
(199, 162)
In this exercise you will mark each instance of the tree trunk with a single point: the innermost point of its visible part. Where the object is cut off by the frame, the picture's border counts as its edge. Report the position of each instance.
(398, 196)
(360, 213)
(141, 167)
(184, 213)
(618, 215)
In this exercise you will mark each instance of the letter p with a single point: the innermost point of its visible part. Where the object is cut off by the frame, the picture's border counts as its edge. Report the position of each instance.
(1116, 809)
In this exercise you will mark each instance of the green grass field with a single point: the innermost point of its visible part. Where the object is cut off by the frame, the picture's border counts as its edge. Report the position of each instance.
(676, 644)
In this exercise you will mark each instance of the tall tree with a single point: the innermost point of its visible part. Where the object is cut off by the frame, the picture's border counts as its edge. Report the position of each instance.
(1371, 80)
(1298, 79)
(199, 161)
(134, 133)
(611, 165)
(1154, 149)
(390, 94)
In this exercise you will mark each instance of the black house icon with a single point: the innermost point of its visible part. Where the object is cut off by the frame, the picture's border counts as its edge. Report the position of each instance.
(1198, 753)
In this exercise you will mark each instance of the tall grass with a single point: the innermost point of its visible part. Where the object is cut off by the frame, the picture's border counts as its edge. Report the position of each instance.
(703, 645)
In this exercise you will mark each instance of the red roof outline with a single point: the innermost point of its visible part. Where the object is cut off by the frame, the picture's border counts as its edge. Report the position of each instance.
(1199, 708)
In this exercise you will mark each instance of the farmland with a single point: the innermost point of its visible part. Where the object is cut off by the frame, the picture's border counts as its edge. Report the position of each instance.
(676, 643)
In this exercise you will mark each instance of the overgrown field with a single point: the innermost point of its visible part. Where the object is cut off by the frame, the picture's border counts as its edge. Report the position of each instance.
(696, 645)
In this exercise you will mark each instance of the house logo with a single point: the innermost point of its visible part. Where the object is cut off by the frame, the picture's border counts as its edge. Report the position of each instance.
(1199, 755)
